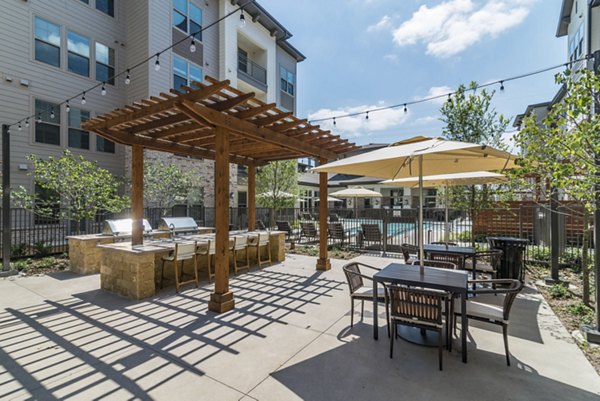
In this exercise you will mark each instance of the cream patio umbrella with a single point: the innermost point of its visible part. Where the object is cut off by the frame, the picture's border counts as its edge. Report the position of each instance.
(447, 180)
(422, 156)
(358, 192)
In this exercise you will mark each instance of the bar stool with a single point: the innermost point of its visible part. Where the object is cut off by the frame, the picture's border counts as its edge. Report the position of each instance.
(260, 242)
(207, 249)
(181, 253)
(240, 243)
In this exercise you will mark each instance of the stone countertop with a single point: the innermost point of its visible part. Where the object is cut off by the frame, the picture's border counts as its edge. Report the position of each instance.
(164, 245)
(91, 237)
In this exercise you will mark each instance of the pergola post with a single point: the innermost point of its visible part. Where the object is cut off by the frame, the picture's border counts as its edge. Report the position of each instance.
(137, 194)
(251, 197)
(323, 263)
(221, 300)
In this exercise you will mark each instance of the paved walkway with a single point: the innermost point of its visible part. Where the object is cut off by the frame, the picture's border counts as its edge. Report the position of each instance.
(288, 339)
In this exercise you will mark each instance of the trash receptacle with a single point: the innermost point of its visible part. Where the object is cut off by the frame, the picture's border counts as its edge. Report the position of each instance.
(512, 256)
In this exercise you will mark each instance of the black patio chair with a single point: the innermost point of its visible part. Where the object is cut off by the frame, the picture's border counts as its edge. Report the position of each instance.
(286, 227)
(336, 232)
(372, 233)
(308, 230)
(493, 314)
(410, 253)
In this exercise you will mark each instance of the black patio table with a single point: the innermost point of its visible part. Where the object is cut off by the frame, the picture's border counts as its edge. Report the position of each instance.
(467, 251)
(453, 281)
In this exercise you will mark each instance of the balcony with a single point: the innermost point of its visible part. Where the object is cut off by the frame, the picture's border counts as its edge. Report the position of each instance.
(251, 73)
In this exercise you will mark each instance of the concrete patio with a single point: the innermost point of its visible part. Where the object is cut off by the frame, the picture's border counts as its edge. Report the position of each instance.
(288, 338)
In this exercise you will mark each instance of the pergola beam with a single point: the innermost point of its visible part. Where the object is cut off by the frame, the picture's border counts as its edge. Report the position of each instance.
(245, 114)
(250, 130)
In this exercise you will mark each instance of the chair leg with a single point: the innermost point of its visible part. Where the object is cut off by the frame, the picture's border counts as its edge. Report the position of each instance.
(440, 347)
(176, 276)
(505, 335)
(196, 270)
(162, 274)
(269, 251)
(208, 268)
(387, 316)
(351, 312)
(235, 267)
(395, 330)
(362, 309)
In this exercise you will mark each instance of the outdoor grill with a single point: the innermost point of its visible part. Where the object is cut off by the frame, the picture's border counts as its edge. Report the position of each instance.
(178, 225)
(122, 228)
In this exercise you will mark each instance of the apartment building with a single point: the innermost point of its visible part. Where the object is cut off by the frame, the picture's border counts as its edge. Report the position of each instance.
(52, 50)
(579, 21)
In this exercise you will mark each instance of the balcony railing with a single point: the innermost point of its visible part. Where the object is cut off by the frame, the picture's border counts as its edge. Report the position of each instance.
(252, 73)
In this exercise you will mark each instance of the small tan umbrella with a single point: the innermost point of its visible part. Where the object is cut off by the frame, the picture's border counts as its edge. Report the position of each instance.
(358, 192)
(421, 156)
(446, 180)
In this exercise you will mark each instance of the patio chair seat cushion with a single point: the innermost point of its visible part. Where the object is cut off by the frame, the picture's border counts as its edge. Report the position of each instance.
(484, 267)
(367, 293)
(481, 310)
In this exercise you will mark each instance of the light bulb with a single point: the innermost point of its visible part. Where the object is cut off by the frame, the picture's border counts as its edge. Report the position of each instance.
(367, 116)
(20, 127)
(127, 78)
(242, 19)
(334, 123)
(52, 114)
(193, 45)
(502, 86)
(83, 101)
(405, 108)
(157, 63)
(68, 108)
(27, 123)
(39, 119)
(103, 92)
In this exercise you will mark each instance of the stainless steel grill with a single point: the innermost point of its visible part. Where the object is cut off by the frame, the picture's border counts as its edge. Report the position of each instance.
(178, 225)
(122, 227)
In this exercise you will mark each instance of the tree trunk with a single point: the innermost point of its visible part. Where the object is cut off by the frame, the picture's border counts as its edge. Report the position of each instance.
(585, 272)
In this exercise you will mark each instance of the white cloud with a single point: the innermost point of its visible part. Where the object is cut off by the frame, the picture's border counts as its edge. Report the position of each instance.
(437, 91)
(357, 126)
(383, 24)
(452, 26)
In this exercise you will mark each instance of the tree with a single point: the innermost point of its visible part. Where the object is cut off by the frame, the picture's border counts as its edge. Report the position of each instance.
(71, 188)
(563, 149)
(166, 185)
(470, 117)
(275, 182)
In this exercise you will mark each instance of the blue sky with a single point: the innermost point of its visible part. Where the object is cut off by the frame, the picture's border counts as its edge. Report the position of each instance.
(366, 53)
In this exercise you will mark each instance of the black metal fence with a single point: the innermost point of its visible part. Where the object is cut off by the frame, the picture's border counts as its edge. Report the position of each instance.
(360, 229)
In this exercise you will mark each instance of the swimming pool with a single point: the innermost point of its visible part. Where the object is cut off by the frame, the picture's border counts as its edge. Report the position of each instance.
(352, 226)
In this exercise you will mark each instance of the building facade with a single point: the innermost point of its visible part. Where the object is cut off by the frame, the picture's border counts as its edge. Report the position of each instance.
(53, 50)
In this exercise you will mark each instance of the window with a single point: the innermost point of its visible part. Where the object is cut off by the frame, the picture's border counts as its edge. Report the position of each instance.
(185, 72)
(48, 130)
(242, 60)
(287, 81)
(106, 6)
(86, 1)
(78, 138)
(47, 203)
(47, 42)
(187, 17)
(105, 64)
(104, 145)
(576, 44)
(78, 47)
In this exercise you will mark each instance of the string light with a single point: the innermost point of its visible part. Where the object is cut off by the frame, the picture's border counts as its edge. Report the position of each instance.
(242, 19)
(128, 78)
(68, 107)
(83, 101)
(502, 86)
(449, 98)
(20, 127)
(367, 116)
(27, 123)
(52, 113)
(157, 63)
(405, 108)
(103, 92)
(193, 44)
(334, 123)
(39, 119)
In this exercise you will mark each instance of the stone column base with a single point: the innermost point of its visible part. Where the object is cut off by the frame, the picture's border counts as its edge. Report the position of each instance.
(323, 264)
(221, 303)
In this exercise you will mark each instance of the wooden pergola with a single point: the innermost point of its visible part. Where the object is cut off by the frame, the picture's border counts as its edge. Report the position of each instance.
(216, 121)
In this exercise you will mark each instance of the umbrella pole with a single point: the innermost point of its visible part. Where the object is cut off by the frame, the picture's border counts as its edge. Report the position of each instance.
(447, 227)
(421, 228)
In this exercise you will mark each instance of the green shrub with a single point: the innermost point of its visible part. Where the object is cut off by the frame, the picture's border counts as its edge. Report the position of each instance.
(585, 312)
(559, 291)
(21, 265)
(18, 250)
(46, 263)
(540, 254)
(41, 249)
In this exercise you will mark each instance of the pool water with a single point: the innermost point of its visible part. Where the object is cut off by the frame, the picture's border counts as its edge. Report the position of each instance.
(352, 226)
